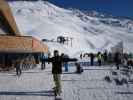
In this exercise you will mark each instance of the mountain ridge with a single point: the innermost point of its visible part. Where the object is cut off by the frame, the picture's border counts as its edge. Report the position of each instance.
(90, 33)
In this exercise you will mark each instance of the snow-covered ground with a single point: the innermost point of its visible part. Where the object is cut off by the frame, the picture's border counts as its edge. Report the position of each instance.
(36, 84)
(90, 33)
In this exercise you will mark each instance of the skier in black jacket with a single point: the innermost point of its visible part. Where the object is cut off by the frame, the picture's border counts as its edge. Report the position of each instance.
(117, 59)
(57, 62)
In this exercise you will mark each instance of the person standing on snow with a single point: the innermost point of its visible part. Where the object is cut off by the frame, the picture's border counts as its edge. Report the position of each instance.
(117, 60)
(105, 57)
(43, 63)
(92, 59)
(99, 57)
(57, 62)
(17, 66)
(57, 71)
(65, 63)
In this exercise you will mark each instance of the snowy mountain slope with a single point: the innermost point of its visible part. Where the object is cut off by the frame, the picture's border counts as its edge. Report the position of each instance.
(90, 33)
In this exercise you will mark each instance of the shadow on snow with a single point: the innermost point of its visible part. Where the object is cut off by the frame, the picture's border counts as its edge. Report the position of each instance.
(28, 93)
(124, 92)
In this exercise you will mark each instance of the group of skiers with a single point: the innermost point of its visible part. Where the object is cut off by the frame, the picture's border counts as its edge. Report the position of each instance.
(58, 61)
(101, 57)
(106, 57)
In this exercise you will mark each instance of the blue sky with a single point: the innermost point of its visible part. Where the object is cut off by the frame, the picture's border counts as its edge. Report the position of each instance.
(115, 7)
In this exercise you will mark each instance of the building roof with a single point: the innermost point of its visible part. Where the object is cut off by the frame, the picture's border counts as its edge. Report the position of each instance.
(7, 21)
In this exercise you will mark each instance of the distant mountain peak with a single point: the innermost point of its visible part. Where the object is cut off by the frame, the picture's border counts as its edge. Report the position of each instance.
(91, 31)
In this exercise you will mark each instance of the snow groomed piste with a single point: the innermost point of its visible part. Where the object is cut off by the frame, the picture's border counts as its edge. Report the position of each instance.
(36, 84)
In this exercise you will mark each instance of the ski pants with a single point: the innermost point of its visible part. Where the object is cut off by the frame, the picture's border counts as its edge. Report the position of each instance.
(18, 70)
(66, 67)
(43, 65)
(57, 81)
